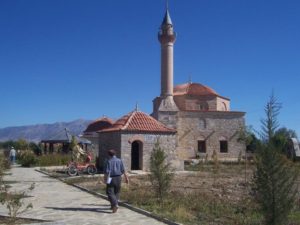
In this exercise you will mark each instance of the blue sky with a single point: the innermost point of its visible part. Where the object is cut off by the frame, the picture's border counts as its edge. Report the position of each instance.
(62, 60)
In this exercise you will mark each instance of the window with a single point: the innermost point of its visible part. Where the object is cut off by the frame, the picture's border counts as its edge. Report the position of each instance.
(201, 147)
(223, 146)
(203, 106)
(202, 124)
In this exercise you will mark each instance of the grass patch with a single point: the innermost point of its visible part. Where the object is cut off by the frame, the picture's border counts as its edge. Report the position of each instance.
(53, 160)
(195, 197)
(194, 207)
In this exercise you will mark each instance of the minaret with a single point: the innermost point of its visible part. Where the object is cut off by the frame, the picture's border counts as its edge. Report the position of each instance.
(167, 37)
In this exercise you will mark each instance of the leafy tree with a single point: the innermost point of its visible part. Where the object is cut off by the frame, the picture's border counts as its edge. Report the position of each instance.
(275, 176)
(73, 143)
(21, 144)
(282, 139)
(247, 136)
(161, 174)
(7, 144)
(288, 133)
(35, 148)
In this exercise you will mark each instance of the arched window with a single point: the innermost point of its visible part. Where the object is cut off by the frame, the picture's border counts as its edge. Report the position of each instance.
(224, 106)
(202, 124)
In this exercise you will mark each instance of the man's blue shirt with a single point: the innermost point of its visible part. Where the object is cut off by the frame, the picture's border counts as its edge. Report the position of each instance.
(114, 167)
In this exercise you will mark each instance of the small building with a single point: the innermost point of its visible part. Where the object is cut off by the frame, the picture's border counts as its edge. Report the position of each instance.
(133, 136)
(91, 132)
(61, 141)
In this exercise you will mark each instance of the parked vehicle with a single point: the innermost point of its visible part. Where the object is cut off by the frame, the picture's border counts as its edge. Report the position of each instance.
(75, 168)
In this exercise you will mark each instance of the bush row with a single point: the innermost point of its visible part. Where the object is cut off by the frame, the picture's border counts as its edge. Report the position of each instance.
(28, 159)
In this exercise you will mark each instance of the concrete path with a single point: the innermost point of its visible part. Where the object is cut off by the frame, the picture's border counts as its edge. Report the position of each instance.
(63, 204)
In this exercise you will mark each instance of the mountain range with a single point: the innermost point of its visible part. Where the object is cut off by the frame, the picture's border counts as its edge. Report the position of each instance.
(38, 132)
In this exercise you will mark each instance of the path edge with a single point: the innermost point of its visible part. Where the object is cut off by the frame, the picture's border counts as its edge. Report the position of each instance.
(124, 204)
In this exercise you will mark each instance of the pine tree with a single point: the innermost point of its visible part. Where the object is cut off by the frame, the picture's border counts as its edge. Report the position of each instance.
(161, 174)
(275, 177)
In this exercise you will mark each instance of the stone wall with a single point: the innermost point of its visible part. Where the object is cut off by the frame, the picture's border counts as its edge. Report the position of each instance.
(122, 143)
(167, 142)
(211, 127)
(93, 137)
(223, 104)
(107, 141)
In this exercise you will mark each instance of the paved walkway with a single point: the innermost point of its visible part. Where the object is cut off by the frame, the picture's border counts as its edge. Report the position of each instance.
(63, 204)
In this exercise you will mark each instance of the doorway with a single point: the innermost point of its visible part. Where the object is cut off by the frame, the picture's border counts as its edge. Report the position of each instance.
(136, 155)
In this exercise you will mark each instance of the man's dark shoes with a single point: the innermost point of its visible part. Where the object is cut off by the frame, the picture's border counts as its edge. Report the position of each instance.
(114, 209)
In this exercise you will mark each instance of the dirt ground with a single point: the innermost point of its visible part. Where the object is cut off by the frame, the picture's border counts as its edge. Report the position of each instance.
(228, 181)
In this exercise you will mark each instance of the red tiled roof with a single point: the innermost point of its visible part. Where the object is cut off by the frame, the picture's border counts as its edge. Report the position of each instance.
(139, 121)
(99, 125)
(193, 89)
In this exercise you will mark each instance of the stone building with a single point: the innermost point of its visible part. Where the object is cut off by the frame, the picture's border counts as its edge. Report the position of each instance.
(133, 137)
(190, 120)
(201, 117)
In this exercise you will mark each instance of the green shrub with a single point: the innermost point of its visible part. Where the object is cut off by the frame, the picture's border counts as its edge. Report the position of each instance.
(27, 159)
(4, 162)
(14, 201)
(53, 159)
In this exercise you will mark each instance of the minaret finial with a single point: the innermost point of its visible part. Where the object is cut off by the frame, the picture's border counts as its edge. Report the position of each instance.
(167, 4)
(136, 107)
(190, 79)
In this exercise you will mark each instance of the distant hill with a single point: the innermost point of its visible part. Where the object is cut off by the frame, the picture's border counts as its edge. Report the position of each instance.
(38, 132)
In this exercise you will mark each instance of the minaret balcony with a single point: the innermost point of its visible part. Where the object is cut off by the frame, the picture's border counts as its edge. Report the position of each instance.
(167, 36)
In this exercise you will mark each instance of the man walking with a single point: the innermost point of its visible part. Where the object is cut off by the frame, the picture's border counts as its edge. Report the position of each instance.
(12, 155)
(113, 171)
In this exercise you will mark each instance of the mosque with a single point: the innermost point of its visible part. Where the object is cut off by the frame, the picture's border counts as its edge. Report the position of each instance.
(189, 120)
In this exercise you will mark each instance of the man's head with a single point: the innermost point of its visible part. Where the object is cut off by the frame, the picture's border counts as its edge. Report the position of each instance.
(111, 152)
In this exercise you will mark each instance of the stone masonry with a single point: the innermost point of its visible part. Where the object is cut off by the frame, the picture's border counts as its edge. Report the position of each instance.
(210, 127)
(122, 143)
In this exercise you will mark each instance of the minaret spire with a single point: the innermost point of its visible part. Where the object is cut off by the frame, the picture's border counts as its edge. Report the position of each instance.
(167, 37)
(190, 78)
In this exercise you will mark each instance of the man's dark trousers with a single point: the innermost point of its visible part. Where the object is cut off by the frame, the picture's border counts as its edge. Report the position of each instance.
(113, 190)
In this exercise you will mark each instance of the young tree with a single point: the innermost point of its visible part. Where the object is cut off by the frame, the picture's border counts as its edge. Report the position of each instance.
(13, 200)
(275, 177)
(161, 174)
(270, 123)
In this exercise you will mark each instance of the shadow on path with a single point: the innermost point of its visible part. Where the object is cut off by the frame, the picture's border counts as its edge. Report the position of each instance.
(101, 210)
(98, 205)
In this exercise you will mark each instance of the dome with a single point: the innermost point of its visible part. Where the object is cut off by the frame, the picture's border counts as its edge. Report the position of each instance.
(193, 89)
(99, 124)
